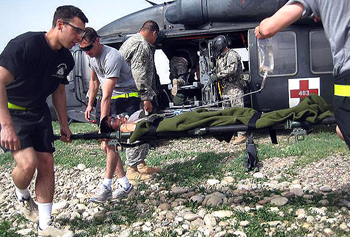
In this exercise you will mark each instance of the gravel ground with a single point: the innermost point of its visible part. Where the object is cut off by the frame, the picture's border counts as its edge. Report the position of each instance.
(326, 178)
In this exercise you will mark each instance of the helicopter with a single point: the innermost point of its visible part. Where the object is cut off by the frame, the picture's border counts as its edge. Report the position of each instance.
(302, 56)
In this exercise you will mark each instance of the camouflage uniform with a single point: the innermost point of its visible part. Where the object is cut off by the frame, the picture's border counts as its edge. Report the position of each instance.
(139, 54)
(178, 73)
(178, 68)
(230, 73)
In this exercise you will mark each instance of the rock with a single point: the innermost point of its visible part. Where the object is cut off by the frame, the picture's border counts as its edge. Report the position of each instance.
(346, 203)
(209, 220)
(280, 201)
(326, 189)
(24, 232)
(258, 175)
(323, 202)
(244, 223)
(239, 234)
(197, 223)
(213, 181)
(228, 179)
(214, 199)
(222, 214)
(191, 216)
(81, 167)
(297, 191)
(164, 206)
(197, 198)
(179, 190)
(344, 227)
(56, 207)
(170, 215)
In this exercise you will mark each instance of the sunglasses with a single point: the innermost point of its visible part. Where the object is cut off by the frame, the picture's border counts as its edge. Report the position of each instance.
(79, 31)
(89, 47)
(115, 121)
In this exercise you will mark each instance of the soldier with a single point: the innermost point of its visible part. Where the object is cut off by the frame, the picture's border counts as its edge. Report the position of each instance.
(178, 71)
(183, 66)
(229, 72)
(138, 52)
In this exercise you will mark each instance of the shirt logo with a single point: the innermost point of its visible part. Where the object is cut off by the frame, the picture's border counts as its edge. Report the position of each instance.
(60, 71)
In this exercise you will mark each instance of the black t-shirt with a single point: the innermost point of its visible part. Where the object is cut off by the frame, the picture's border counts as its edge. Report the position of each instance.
(38, 70)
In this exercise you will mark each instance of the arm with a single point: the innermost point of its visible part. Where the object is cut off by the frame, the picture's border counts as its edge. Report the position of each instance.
(284, 17)
(9, 138)
(231, 66)
(107, 90)
(143, 72)
(93, 90)
(59, 103)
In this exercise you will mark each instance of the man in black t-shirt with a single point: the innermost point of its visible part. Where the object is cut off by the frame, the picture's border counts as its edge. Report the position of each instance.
(33, 66)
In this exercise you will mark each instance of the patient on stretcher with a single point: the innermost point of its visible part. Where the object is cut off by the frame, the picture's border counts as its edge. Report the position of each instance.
(312, 109)
(120, 122)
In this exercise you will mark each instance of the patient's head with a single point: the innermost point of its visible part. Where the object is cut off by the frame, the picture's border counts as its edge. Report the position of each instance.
(112, 123)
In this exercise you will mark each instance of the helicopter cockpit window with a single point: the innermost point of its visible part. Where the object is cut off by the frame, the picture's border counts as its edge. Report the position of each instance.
(320, 53)
(284, 52)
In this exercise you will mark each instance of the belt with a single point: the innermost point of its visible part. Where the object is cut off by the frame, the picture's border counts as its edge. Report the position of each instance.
(342, 90)
(126, 95)
(13, 106)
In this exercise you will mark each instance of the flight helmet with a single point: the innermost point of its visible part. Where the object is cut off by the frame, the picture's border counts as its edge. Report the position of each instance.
(219, 43)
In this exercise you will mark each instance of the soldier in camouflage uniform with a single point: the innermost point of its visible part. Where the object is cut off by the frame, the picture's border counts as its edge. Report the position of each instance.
(138, 52)
(178, 76)
(183, 66)
(229, 72)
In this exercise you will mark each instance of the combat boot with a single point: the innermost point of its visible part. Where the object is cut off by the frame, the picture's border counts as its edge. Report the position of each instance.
(133, 175)
(176, 84)
(239, 139)
(144, 169)
(174, 88)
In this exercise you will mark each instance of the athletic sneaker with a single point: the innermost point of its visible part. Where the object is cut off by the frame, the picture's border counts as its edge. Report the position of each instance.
(28, 208)
(103, 194)
(54, 230)
(120, 192)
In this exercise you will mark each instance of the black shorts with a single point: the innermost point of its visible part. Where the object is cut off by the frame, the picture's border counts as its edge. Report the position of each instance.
(120, 105)
(341, 106)
(34, 129)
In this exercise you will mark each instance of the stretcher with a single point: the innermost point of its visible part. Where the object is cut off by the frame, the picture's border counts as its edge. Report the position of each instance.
(222, 124)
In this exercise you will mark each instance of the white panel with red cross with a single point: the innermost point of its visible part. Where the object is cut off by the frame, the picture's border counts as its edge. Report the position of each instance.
(300, 88)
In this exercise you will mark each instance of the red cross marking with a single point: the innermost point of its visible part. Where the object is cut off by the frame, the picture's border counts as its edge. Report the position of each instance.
(304, 90)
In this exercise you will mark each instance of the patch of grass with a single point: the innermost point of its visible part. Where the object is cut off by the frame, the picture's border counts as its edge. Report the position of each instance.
(297, 201)
(6, 160)
(194, 171)
(7, 230)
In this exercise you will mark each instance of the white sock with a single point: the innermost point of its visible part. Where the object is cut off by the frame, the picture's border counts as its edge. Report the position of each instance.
(124, 182)
(107, 183)
(22, 193)
(45, 210)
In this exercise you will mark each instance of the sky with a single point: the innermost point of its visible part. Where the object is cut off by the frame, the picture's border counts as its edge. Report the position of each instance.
(19, 16)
